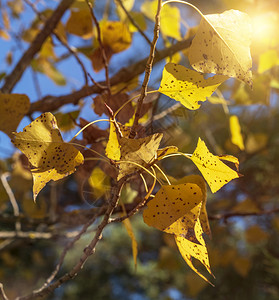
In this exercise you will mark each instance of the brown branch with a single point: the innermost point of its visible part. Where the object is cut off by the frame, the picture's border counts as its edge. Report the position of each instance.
(133, 22)
(35, 46)
(101, 45)
(52, 103)
(65, 251)
(64, 43)
(88, 251)
(226, 216)
(148, 69)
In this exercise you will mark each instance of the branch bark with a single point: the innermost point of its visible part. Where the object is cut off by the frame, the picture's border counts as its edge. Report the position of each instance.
(88, 251)
(52, 103)
(35, 46)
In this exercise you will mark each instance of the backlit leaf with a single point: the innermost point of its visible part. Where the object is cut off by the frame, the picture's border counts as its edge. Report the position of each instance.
(236, 136)
(268, 60)
(222, 45)
(161, 153)
(171, 203)
(197, 179)
(99, 182)
(115, 34)
(80, 23)
(214, 171)
(141, 151)
(188, 86)
(113, 146)
(189, 249)
(170, 18)
(51, 158)
(13, 109)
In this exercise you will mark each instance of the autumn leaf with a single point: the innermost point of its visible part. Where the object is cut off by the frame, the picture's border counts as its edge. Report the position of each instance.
(13, 109)
(198, 180)
(222, 45)
(161, 153)
(116, 35)
(236, 136)
(113, 145)
(50, 157)
(170, 204)
(188, 86)
(80, 23)
(214, 171)
(189, 249)
(170, 18)
(140, 151)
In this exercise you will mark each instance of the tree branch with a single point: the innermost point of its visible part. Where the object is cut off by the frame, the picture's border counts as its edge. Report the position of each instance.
(52, 103)
(88, 251)
(148, 69)
(35, 46)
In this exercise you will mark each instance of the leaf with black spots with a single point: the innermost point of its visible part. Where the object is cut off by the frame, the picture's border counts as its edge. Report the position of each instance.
(214, 171)
(50, 157)
(222, 45)
(187, 86)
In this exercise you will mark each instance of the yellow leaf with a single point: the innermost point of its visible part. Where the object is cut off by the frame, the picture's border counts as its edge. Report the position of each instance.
(80, 23)
(13, 109)
(236, 136)
(50, 157)
(141, 151)
(170, 18)
(161, 153)
(214, 171)
(187, 86)
(268, 60)
(222, 45)
(128, 4)
(116, 35)
(255, 235)
(131, 234)
(99, 182)
(170, 204)
(113, 146)
(197, 179)
(65, 121)
(189, 249)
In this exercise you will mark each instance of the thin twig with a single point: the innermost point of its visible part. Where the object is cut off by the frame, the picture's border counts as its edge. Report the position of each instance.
(12, 199)
(226, 216)
(35, 46)
(68, 47)
(2, 292)
(101, 45)
(148, 69)
(89, 250)
(51, 103)
(65, 251)
(134, 23)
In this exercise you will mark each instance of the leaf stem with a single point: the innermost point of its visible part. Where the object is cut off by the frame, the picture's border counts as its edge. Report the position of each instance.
(87, 125)
(148, 69)
(183, 2)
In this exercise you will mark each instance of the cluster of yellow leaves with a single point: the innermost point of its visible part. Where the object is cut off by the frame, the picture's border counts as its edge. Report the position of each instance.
(49, 156)
(132, 154)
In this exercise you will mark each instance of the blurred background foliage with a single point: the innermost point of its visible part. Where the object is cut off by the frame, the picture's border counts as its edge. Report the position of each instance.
(244, 215)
